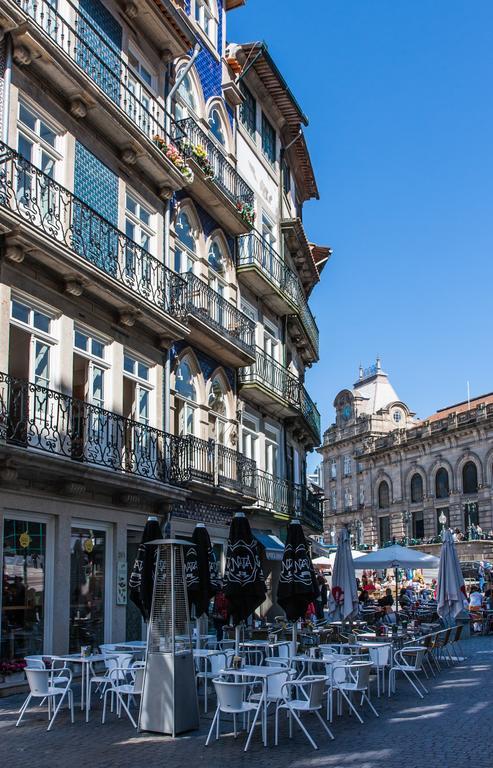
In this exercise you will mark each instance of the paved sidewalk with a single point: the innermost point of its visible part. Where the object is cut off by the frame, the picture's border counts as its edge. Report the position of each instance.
(449, 728)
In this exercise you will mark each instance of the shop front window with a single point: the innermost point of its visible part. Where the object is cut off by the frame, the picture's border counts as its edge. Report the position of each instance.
(23, 589)
(87, 575)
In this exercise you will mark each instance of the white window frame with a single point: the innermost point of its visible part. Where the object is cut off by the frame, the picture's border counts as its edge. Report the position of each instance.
(37, 335)
(109, 596)
(333, 469)
(255, 443)
(333, 500)
(94, 360)
(39, 145)
(199, 11)
(186, 252)
(267, 440)
(48, 520)
(147, 229)
(347, 465)
(145, 384)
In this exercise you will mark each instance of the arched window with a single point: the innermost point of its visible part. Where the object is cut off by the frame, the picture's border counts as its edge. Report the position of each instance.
(442, 488)
(216, 126)
(185, 247)
(186, 398)
(217, 414)
(216, 258)
(186, 100)
(469, 478)
(416, 488)
(383, 495)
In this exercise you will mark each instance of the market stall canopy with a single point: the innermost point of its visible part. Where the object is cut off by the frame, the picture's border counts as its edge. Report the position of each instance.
(396, 556)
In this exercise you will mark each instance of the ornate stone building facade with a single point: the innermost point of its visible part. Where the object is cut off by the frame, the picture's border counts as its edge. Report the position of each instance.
(388, 475)
(155, 276)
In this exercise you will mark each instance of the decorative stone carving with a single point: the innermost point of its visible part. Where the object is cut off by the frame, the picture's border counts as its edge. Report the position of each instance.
(165, 193)
(78, 108)
(131, 10)
(74, 287)
(129, 156)
(128, 317)
(14, 253)
(74, 488)
(22, 55)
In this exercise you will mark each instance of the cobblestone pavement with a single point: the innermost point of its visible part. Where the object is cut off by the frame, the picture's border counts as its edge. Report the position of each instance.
(449, 728)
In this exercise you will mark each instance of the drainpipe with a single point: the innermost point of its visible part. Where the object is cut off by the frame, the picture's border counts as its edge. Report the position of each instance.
(6, 89)
(167, 221)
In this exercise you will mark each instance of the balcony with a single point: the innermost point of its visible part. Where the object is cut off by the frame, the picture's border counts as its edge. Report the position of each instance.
(48, 224)
(289, 500)
(273, 388)
(39, 419)
(263, 270)
(70, 57)
(216, 184)
(226, 332)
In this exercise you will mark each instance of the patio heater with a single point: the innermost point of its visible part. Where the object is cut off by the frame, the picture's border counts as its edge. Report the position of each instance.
(169, 696)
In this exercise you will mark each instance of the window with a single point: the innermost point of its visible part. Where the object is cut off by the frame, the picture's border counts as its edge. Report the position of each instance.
(87, 587)
(216, 258)
(139, 230)
(268, 140)
(186, 100)
(418, 525)
(249, 437)
(248, 110)
(217, 414)
(397, 416)
(384, 529)
(185, 247)
(205, 19)
(383, 495)
(333, 500)
(141, 84)
(135, 367)
(216, 126)
(416, 488)
(347, 463)
(471, 517)
(272, 346)
(89, 368)
(37, 142)
(186, 398)
(333, 469)
(271, 451)
(286, 177)
(29, 316)
(469, 478)
(442, 490)
(136, 389)
(348, 499)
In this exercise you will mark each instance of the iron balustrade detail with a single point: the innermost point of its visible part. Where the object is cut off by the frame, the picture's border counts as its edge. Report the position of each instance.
(213, 309)
(40, 201)
(102, 62)
(35, 417)
(287, 498)
(219, 169)
(255, 251)
(275, 377)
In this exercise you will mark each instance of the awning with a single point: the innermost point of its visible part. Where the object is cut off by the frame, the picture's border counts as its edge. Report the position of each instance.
(274, 548)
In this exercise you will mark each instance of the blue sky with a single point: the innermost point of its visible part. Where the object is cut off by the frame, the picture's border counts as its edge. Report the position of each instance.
(399, 97)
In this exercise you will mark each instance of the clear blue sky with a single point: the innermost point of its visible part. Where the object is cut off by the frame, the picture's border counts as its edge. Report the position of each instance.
(400, 100)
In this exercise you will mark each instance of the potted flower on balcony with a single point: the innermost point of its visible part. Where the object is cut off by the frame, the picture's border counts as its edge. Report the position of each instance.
(247, 212)
(199, 154)
(173, 154)
(12, 671)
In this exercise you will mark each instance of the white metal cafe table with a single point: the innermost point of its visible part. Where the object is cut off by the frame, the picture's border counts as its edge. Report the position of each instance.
(261, 674)
(86, 663)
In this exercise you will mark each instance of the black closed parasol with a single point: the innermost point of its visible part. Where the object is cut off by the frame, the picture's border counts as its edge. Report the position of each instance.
(201, 570)
(244, 583)
(297, 584)
(141, 579)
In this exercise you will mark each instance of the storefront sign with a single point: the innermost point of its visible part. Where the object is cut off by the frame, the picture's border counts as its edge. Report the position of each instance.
(121, 580)
(24, 540)
(88, 545)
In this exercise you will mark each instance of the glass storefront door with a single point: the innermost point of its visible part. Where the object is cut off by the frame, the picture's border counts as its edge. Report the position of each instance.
(87, 587)
(23, 588)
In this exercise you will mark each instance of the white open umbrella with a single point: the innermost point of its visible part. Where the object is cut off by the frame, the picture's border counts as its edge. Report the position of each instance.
(397, 557)
(451, 588)
(343, 598)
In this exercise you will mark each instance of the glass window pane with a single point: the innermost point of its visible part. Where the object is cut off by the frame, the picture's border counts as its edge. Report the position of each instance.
(47, 134)
(97, 385)
(131, 205)
(80, 340)
(41, 321)
(87, 575)
(216, 126)
(97, 348)
(20, 312)
(130, 229)
(27, 117)
(189, 420)
(145, 215)
(143, 371)
(145, 75)
(184, 231)
(41, 364)
(128, 364)
(47, 164)
(143, 404)
(25, 147)
(23, 586)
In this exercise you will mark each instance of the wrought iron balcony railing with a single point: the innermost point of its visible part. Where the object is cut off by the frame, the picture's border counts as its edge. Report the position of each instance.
(214, 310)
(45, 205)
(220, 170)
(80, 39)
(255, 251)
(289, 498)
(275, 377)
(34, 417)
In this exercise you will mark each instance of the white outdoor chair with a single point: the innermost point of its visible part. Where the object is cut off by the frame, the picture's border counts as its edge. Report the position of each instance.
(231, 700)
(40, 687)
(119, 687)
(409, 661)
(380, 657)
(215, 663)
(119, 661)
(274, 686)
(352, 678)
(309, 697)
(280, 651)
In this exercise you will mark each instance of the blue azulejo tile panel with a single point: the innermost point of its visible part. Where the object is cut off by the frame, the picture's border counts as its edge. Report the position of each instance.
(99, 51)
(95, 238)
